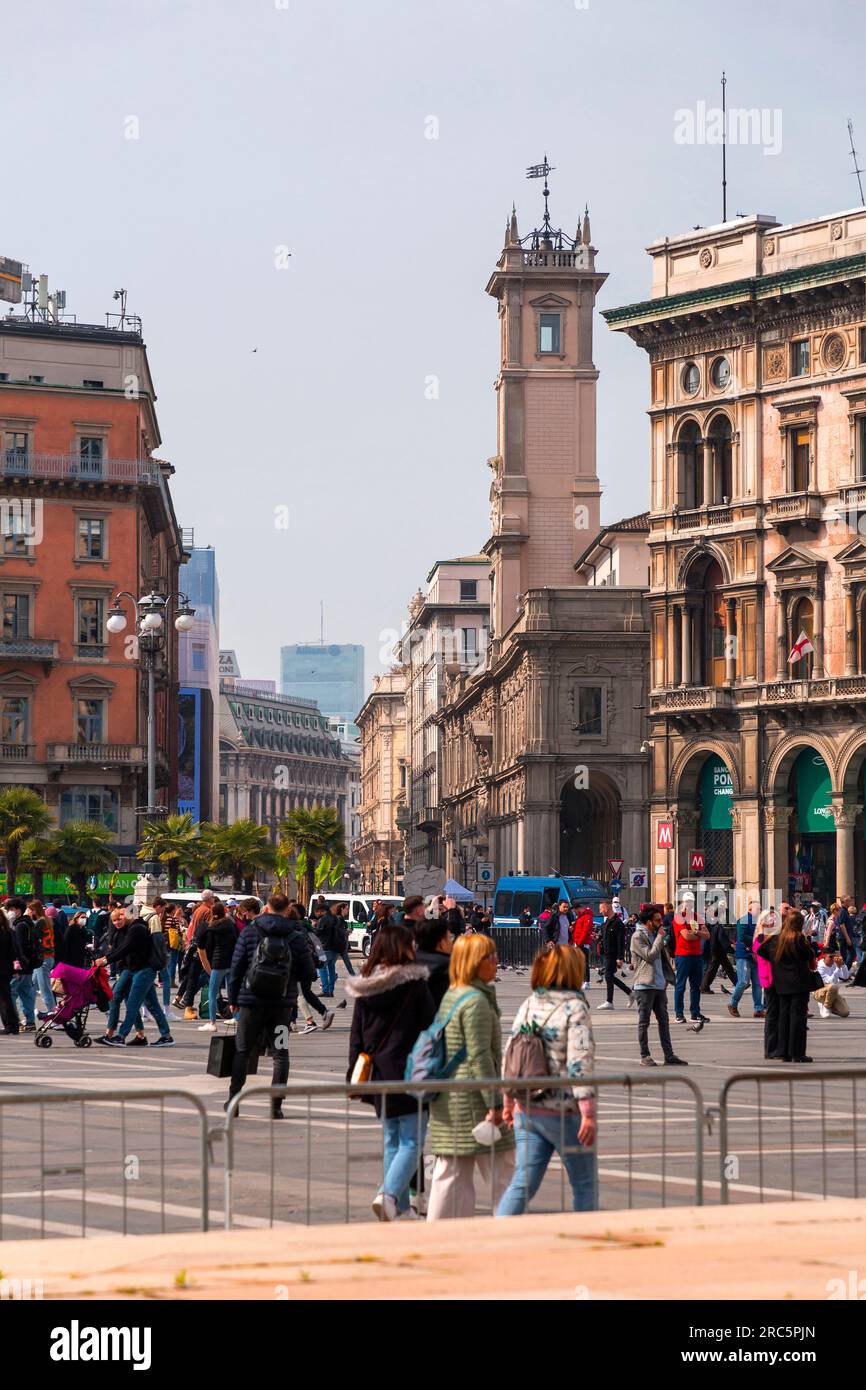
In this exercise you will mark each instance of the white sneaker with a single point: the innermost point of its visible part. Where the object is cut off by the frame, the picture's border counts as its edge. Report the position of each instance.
(632, 1000)
(599, 1007)
(308, 1028)
(171, 1015)
(385, 1206)
(410, 1215)
(207, 1027)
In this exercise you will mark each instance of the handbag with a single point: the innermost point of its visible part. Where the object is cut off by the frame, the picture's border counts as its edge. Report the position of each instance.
(816, 981)
(363, 1069)
(221, 1055)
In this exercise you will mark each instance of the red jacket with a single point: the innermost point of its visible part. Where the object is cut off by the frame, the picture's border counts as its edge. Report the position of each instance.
(581, 932)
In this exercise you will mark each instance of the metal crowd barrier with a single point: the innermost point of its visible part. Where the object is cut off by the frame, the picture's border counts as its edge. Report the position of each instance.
(303, 1184)
(762, 1159)
(516, 947)
(58, 1157)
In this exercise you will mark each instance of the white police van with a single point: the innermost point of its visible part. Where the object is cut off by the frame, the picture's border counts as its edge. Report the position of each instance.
(360, 914)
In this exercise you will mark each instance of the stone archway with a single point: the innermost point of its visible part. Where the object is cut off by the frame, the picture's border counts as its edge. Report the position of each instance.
(705, 787)
(590, 826)
(802, 820)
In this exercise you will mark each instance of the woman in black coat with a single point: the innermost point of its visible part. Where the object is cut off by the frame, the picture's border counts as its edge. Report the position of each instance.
(793, 961)
(393, 1004)
(8, 1010)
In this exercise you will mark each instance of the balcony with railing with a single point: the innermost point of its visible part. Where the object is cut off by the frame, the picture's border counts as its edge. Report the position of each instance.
(17, 752)
(29, 649)
(683, 698)
(18, 463)
(123, 754)
(429, 818)
(794, 508)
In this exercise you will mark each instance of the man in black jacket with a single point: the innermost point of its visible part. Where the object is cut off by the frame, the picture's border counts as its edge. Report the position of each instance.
(27, 957)
(266, 1017)
(434, 943)
(721, 948)
(613, 952)
(334, 936)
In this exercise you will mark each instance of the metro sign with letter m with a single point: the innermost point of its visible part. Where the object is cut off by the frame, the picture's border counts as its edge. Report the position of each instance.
(665, 831)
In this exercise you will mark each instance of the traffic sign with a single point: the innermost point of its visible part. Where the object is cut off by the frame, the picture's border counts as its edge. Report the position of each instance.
(484, 872)
(638, 878)
(665, 830)
(615, 866)
(615, 885)
(696, 861)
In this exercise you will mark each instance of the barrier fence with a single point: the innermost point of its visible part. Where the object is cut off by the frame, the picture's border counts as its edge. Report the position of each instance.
(308, 1181)
(83, 1162)
(87, 1162)
(768, 1148)
(516, 947)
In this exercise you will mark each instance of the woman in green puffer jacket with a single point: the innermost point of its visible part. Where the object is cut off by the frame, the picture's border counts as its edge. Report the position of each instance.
(474, 1024)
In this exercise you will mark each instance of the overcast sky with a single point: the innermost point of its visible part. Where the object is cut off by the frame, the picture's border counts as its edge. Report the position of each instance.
(304, 124)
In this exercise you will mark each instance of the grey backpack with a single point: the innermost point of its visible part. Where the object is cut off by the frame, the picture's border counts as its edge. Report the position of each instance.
(525, 1057)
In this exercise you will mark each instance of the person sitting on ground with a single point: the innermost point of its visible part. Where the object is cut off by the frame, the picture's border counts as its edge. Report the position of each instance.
(833, 971)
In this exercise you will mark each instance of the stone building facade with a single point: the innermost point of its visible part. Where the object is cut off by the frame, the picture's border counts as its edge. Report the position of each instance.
(756, 339)
(541, 748)
(384, 771)
(277, 754)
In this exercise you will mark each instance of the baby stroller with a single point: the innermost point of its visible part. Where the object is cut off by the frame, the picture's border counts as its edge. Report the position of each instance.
(77, 990)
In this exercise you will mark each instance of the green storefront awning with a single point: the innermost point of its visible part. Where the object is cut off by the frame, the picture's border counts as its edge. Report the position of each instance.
(717, 795)
(814, 801)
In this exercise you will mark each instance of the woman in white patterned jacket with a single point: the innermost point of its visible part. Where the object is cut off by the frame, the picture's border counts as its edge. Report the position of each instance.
(558, 1121)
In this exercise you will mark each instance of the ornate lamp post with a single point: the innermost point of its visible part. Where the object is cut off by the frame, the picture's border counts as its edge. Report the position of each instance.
(151, 611)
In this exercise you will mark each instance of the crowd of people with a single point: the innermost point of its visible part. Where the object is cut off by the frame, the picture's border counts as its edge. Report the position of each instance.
(426, 990)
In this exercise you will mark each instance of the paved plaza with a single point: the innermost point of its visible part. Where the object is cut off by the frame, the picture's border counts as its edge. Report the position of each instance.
(136, 1167)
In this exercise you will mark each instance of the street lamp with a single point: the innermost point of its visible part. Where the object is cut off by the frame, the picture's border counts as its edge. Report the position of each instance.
(151, 611)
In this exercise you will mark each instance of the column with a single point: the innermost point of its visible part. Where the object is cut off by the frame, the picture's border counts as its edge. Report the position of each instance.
(818, 630)
(709, 461)
(850, 632)
(845, 817)
(696, 628)
(776, 818)
(781, 643)
(730, 641)
(685, 645)
(670, 673)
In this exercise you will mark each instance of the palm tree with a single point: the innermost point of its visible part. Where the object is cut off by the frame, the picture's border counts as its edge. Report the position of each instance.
(34, 861)
(174, 841)
(81, 848)
(23, 815)
(239, 850)
(317, 840)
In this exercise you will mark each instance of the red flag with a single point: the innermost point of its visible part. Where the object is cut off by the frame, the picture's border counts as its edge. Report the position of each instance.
(801, 647)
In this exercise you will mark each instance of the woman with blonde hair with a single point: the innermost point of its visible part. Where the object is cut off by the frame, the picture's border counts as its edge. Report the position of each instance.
(561, 1120)
(472, 1031)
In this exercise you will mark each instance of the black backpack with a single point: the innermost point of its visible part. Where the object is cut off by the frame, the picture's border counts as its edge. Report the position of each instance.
(270, 972)
(158, 951)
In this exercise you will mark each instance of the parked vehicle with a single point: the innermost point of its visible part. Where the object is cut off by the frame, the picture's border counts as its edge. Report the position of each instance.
(360, 914)
(514, 894)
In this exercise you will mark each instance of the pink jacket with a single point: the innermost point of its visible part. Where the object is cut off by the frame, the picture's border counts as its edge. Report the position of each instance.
(765, 969)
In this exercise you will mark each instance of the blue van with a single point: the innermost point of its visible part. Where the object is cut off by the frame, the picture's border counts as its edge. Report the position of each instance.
(514, 894)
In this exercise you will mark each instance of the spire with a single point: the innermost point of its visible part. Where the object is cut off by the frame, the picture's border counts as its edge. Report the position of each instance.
(512, 236)
(586, 232)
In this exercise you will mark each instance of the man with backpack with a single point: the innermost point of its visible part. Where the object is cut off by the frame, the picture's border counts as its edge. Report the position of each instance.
(27, 957)
(271, 959)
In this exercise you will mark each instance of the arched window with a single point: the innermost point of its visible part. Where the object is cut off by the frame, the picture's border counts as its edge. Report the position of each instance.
(714, 625)
(802, 621)
(721, 453)
(691, 466)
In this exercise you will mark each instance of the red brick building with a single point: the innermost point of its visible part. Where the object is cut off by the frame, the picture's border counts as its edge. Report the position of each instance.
(85, 511)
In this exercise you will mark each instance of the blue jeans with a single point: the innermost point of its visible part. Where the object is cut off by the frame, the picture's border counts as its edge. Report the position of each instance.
(216, 979)
(747, 974)
(143, 991)
(23, 992)
(538, 1138)
(690, 970)
(329, 969)
(42, 981)
(120, 991)
(167, 975)
(404, 1140)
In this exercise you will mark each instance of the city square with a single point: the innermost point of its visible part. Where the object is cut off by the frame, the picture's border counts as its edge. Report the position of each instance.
(433, 672)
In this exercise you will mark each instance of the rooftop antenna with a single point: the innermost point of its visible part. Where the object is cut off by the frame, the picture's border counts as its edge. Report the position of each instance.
(724, 151)
(541, 171)
(857, 170)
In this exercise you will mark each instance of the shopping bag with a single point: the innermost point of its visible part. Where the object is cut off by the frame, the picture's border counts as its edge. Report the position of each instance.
(221, 1054)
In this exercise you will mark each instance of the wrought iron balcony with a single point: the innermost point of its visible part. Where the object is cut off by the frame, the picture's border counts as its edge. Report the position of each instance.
(140, 472)
(429, 818)
(29, 649)
(126, 754)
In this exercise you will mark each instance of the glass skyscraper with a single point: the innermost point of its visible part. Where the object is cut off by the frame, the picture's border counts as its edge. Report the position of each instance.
(331, 675)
